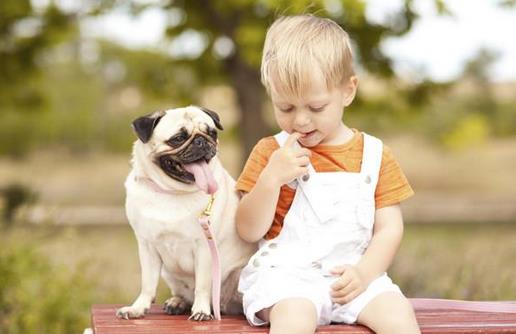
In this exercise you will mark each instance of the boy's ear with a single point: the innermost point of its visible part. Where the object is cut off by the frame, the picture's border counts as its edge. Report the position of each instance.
(350, 90)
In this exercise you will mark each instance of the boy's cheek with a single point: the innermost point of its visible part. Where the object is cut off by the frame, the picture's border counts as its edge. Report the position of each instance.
(285, 126)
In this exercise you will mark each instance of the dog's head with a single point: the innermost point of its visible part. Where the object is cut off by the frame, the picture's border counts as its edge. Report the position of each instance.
(182, 142)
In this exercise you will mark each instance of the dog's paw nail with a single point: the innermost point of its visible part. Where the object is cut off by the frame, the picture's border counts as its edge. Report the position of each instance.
(200, 316)
(121, 314)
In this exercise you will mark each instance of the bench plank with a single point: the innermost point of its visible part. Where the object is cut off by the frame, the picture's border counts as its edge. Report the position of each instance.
(433, 315)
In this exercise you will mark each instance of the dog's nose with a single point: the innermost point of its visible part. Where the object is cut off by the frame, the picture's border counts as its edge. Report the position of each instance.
(199, 141)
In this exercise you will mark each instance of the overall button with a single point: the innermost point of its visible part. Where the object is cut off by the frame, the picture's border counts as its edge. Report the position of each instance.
(264, 253)
(316, 265)
(368, 179)
(273, 245)
(256, 263)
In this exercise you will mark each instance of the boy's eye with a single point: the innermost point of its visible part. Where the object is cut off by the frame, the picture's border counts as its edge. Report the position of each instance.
(317, 109)
(286, 109)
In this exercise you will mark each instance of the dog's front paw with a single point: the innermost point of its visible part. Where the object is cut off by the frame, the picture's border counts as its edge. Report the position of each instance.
(131, 312)
(175, 305)
(201, 311)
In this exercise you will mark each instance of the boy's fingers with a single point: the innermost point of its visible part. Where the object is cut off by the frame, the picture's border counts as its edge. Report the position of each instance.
(346, 299)
(338, 270)
(340, 283)
(294, 136)
(303, 161)
(343, 292)
(303, 152)
(301, 171)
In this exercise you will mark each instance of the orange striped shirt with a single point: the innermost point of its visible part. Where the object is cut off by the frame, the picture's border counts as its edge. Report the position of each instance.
(391, 189)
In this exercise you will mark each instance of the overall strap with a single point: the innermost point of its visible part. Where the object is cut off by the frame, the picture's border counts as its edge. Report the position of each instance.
(371, 159)
(319, 200)
(281, 138)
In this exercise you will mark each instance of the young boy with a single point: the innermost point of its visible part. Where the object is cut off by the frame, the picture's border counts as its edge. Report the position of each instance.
(322, 199)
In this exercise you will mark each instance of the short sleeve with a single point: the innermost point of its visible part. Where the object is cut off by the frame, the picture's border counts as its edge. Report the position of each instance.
(393, 186)
(256, 162)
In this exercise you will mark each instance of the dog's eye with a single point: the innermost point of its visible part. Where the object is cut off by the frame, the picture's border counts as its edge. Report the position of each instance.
(178, 139)
(212, 133)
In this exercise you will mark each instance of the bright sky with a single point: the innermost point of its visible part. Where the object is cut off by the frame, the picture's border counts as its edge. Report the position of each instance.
(436, 46)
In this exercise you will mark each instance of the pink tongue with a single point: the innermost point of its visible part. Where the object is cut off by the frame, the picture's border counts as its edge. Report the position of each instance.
(203, 176)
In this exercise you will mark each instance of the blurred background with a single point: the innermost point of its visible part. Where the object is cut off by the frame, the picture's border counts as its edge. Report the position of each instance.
(437, 84)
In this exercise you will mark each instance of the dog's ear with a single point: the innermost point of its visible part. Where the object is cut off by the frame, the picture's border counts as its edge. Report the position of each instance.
(214, 116)
(144, 126)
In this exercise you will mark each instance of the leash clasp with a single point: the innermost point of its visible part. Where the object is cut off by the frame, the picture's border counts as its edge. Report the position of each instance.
(207, 211)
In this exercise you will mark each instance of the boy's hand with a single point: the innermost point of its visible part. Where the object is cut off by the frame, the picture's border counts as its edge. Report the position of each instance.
(288, 162)
(348, 286)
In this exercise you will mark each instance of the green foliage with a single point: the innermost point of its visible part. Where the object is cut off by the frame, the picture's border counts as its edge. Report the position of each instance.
(85, 110)
(479, 67)
(52, 97)
(15, 195)
(36, 297)
(504, 122)
(154, 73)
(245, 22)
(470, 131)
(457, 261)
(25, 34)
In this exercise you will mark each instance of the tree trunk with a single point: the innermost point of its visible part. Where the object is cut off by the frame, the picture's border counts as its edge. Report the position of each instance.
(250, 92)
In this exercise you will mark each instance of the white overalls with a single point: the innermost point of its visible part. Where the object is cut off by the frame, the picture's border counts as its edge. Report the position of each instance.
(330, 223)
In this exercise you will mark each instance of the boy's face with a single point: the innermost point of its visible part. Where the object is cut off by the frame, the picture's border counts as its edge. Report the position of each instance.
(317, 113)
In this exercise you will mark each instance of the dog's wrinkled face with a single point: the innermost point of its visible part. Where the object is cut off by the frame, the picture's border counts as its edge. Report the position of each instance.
(182, 142)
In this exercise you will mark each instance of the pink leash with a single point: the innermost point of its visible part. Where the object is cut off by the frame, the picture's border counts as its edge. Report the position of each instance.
(204, 221)
(461, 305)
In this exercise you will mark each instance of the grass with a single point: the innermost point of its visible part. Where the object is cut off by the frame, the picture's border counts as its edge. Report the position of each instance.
(458, 261)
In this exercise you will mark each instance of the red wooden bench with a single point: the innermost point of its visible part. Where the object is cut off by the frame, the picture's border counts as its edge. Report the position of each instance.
(433, 315)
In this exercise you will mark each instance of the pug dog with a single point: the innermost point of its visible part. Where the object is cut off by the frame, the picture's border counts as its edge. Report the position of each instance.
(175, 170)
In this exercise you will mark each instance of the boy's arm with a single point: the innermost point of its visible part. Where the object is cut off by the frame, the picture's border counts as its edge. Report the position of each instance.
(392, 188)
(387, 235)
(255, 211)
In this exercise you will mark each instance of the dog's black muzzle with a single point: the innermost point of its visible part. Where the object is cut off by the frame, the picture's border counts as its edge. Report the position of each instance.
(199, 148)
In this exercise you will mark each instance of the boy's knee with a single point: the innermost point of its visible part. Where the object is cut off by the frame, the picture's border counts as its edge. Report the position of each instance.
(296, 315)
(399, 324)
(401, 321)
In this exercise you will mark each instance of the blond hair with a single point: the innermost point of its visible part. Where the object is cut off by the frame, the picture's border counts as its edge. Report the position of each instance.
(296, 46)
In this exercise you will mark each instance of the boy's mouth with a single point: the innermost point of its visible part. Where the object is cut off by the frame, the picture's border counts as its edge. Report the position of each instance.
(306, 134)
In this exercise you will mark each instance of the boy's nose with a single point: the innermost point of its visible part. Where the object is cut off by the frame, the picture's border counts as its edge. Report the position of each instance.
(301, 119)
